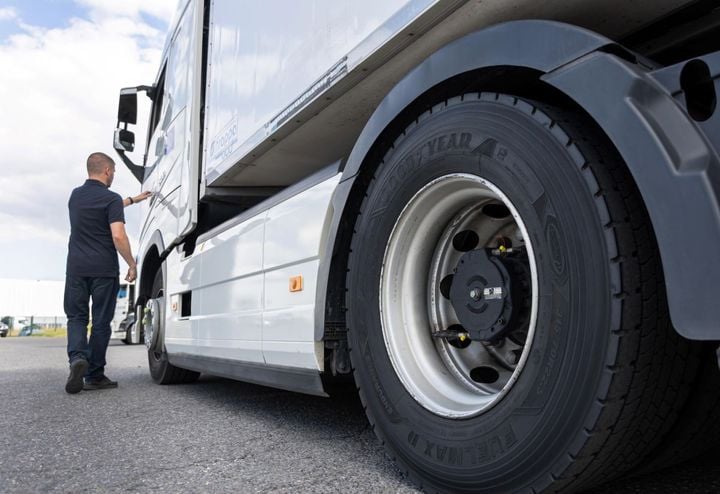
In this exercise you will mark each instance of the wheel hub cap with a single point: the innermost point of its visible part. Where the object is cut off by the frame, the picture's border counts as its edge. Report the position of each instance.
(480, 295)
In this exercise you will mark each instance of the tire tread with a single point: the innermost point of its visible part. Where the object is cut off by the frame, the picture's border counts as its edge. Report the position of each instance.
(648, 366)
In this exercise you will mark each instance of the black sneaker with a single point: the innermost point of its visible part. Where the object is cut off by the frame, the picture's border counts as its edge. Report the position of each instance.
(100, 383)
(75, 380)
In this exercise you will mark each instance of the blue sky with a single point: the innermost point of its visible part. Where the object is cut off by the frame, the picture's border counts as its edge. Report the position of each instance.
(68, 60)
(56, 14)
(40, 13)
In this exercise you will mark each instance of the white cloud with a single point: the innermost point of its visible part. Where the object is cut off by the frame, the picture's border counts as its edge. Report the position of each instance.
(162, 9)
(22, 231)
(60, 104)
(8, 13)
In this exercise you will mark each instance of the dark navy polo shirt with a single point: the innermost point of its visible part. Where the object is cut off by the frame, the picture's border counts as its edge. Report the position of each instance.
(91, 251)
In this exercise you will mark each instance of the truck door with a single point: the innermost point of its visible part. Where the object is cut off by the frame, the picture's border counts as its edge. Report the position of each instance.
(183, 84)
(172, 173)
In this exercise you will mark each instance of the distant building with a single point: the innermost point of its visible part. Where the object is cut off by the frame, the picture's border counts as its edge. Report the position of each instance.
(39, 300)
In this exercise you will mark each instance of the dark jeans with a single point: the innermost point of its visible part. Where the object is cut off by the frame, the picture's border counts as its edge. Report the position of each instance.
(78, 290)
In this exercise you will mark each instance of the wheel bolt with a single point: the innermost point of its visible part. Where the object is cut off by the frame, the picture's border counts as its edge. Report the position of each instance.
(475, 294)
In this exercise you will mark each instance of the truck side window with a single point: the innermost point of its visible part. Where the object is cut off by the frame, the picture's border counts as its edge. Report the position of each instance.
(157, 105)
(177, 68)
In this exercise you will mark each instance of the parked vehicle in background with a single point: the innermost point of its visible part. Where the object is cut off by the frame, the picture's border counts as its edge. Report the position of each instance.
(30, 329)
(123, 311)
(506, 229)
(126, 326)
(4, 330)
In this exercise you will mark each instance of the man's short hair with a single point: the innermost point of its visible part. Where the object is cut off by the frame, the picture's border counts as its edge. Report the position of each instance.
(97, 162)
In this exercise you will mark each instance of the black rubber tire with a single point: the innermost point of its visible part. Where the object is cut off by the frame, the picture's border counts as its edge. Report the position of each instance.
(697, 429)
(161, 370)
(607, 374)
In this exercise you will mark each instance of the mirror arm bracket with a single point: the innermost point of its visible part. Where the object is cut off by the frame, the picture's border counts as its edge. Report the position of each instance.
(149, 91)
(137, 170)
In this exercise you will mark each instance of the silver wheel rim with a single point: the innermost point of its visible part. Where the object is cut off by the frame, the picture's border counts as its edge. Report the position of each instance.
(441, 377)
(151, 323)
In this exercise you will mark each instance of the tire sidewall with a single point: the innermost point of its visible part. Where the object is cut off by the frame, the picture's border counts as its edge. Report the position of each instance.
(499, 142)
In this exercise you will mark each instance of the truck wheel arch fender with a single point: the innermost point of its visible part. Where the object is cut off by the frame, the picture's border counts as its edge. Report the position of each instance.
(561, 64)
(524, 46)
(671, 162)
(150, 262)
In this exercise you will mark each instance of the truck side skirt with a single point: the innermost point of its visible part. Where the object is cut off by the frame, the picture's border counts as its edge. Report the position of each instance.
(244, 308)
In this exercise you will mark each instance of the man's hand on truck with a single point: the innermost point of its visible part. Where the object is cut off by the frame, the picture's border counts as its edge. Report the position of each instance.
(139, 198)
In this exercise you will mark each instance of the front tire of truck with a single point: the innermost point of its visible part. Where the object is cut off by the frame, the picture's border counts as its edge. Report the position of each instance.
(506, 309)
(161, 370)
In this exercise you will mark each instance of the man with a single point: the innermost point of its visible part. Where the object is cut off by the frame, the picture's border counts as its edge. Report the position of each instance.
(97, 231)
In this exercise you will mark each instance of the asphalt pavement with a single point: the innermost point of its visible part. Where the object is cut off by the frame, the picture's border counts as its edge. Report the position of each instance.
(216, 435)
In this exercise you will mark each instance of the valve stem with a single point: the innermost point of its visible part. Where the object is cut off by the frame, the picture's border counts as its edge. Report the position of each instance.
(452, 334)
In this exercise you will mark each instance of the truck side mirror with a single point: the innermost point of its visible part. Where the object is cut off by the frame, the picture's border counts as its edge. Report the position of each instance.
(127, 106)
(124, 140)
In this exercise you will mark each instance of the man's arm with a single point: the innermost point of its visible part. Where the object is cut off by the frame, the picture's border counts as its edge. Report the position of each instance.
(122, 244)
(132, 200)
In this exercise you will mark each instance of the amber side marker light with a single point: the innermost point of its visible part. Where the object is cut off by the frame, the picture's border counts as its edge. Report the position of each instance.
(296, 284)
